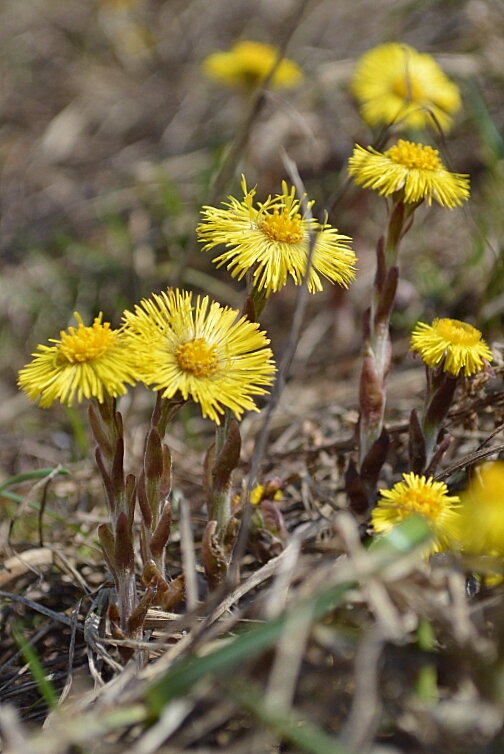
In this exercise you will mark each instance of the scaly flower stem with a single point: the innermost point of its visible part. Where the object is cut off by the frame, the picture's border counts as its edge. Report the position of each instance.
(117, 540)
(154, 486)
(221, 492)
(222, 458)
(394, 233)
(255, 301)
(440, 396)
(377, 346)
(164, 411)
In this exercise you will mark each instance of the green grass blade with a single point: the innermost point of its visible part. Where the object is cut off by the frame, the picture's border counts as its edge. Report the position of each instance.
(489, 130)
(186, 673)
(11, 496)
(404, 538)
(303, 735)
(36, 507)
(29, 476)
(47, 690)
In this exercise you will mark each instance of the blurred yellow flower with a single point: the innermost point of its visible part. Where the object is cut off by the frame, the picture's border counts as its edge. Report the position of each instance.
(453, 344)
(247, 64)
(272, 241)
(412, 171)
(205, 352)
(261, 492)
(481, 529)
(419, 495)
(396, 85)
(87, 362)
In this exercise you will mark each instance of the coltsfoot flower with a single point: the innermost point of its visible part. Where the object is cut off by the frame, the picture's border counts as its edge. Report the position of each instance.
(455, 345)
(419, 495)
(396, 85)
(272, 490)
(247, 64)
(482, 512)
(414, 170)
(204, 352)
(86, 362)
(272, 241)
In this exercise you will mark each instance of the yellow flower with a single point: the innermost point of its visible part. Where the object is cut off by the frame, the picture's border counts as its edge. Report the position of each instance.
(454, 344)
(87, 362)
(419, 495)
(256, 494)
(413, 169)
(203, 351)
(247, 64)
(482, 512)
(261, 492)
(272, 241)
(396, 85)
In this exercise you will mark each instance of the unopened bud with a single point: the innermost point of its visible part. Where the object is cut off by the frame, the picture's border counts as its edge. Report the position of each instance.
(161, 533)
(123, 555)
(153, 462)
(228, 458)
(416, 444)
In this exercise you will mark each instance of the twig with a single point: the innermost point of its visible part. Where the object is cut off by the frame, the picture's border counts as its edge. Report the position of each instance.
(59, 617)
(188, 556)
(281, 379)
(469, 460)
(361, 724)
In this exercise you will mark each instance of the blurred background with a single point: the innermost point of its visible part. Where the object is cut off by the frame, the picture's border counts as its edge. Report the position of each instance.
(111, 137)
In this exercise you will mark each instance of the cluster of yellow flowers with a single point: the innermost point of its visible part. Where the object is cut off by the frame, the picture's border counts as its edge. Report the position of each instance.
(398, 87)
(474, 522)
(203, 351)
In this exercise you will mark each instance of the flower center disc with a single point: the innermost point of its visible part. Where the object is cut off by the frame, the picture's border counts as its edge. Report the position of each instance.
(197, 357)
(420, 502)
(86, 343)
(414, 156)
(281, 226)
(457, 333)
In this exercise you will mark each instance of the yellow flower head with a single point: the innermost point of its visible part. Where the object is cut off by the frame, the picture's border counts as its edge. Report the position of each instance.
(203, 351)
(414, 170)
(87, 362)
(247, 64)
(482, 513)
(453, 344)
(270, 491)
(396, 85)
(419, 495)
(272, 241)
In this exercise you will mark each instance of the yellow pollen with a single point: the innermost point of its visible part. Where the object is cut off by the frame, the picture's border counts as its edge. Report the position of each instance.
(86, 343)
(417, 501)
(457, 333)
(198, 357)
(414, 156)
(281, 226)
